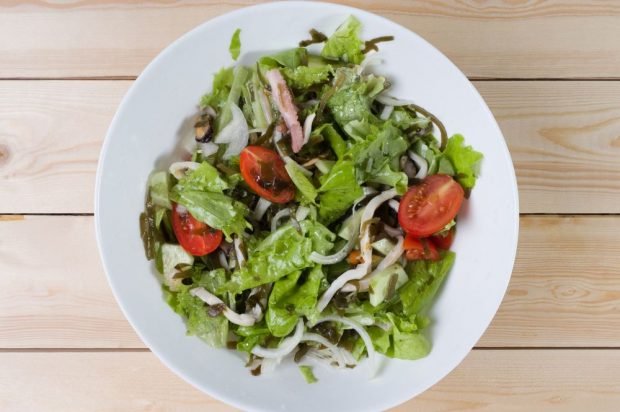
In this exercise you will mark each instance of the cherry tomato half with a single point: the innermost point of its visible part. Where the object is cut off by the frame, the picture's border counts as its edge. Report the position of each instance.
(429, 206)
(194, 236)
(263, 170)
(444, 241)
(419, 249)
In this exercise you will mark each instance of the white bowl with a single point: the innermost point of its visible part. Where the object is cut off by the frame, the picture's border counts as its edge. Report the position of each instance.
(146, 128)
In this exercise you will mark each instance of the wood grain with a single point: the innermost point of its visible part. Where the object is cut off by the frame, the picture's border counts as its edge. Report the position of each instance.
(564, 290)
(53, 292)
(50, 137)
(564, 138)
(485, 39)
(489, 380)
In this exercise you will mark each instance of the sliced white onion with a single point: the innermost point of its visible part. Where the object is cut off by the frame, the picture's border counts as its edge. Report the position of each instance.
(393, 256)
(391, 101)
(388, 260)
(223, 261)
(269, 365)
(286, 346)
(261, 208)
(264, 103)
(392, 231)
(372, 59)
(208, 148)
(348, 358)
(363, 334)
(276, 219)
(365, 248)
(309, 103)
(336, 351)
(394, 204)
(209, 110)
(302, 213)
(210, 299)
(178, 169)
(238, 252)
(420, 163)
(235, 133)
(386, 112)
(181, 209)
(348, 288)
(338, 256)
(308, 127)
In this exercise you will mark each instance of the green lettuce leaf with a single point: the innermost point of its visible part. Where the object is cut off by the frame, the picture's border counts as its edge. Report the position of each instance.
(381, 148)
(425, 278)
(235, 44)
(405, 120)
(352, 100)
(159, 186)
(387, 176)
(240, 76)
(330, 134)
(290, 59)
(222, 83)
(339, 190)
(301, 181)
(345, 44)
(304, 77)
(250, 336)
(217, 210)
(407, 341)
(291, 298)
(283, 252)
(464, 159)
(204, 178)
(213, 330)
(307, 373)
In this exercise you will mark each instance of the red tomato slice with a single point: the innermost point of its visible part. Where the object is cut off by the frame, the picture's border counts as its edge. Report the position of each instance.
(263, 170)
(429, 206)
(419, 249)
(193, 235)
(444, 242)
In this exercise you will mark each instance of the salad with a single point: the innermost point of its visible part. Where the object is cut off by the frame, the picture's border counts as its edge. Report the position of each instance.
(313, 213)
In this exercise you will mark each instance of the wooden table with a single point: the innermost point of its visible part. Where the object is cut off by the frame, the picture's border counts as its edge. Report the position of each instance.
(548, 70)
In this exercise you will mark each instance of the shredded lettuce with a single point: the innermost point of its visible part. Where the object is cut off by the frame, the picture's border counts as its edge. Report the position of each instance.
(282, 253)
(235, 44)
(213, 330)
(425, 277)
(336, 142)
(464, 159)
(304, 77)
(201, 192)
(222, 82)
(292, 297)
(304, 185)
(204, 178)
(307, 373)
(339, 190)
(352, 100)
(345, 44)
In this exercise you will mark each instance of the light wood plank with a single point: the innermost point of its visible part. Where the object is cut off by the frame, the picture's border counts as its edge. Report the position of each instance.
(563, 137)
(562, 39)
(565, 285)
(50, 137)
(53, 292)
(534, 380)
(564, 290)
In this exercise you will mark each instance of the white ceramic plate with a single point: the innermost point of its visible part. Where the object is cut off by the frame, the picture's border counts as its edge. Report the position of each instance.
(158, 109)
